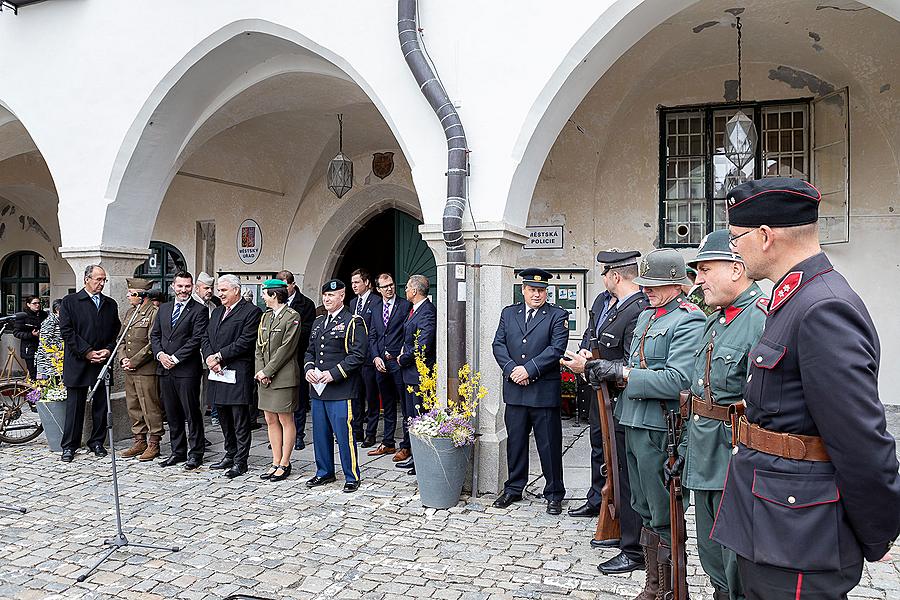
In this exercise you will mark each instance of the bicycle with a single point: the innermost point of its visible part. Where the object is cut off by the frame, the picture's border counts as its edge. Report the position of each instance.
(19, 421)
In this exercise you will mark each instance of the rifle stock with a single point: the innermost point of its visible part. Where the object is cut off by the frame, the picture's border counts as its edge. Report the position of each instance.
(678, 585)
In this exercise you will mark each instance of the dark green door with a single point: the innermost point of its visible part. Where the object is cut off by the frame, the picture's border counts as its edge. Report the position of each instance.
(412, 256)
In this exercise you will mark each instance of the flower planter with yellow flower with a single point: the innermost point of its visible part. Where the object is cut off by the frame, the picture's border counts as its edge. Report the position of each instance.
(49, 397)
(442, 436)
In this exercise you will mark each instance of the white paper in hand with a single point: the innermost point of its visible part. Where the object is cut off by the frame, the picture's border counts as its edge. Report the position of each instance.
(224, 376)
(319, 387)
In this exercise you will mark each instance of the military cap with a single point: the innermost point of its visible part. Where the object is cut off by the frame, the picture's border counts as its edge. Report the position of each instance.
(333, 285)
(535, 277)
(716, 246)
(615, 258)
(773, 201)
(205, 278)
(135, 283)
(271, 284)
(662, 267)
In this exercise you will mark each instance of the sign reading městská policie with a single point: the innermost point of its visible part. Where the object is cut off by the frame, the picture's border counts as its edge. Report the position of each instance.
(545, 237)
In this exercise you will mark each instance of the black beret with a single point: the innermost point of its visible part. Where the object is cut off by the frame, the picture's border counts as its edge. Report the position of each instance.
(535, 277)
(773, 201)
(333, 285)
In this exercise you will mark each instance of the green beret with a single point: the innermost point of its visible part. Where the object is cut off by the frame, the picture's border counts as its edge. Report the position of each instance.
(271, 284)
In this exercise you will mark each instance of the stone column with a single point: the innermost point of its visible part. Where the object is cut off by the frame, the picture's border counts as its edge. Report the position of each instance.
(119, 263)
(499, 245)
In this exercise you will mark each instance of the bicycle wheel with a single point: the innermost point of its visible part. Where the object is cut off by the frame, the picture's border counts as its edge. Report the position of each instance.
(19, 421)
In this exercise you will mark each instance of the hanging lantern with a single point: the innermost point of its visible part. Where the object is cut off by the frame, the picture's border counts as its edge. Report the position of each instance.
(740, 132)
(340, 169)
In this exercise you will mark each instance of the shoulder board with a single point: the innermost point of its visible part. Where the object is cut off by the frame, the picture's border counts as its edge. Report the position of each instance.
(688, 306)
(763, 305)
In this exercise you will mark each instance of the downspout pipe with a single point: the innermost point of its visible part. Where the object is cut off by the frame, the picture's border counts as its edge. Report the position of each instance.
(457, 172)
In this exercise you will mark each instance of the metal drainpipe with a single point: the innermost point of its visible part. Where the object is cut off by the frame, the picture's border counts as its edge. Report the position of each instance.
(457, 171)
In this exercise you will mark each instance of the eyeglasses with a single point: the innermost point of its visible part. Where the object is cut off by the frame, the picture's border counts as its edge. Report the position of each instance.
(37, 302)
(733, 238)
(386, 287)
(101, 279)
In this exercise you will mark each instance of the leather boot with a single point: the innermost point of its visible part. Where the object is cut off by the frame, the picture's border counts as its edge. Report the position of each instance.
(720, 594)
(664, 559)
(650, 545)
(139, 445)
(152, 450)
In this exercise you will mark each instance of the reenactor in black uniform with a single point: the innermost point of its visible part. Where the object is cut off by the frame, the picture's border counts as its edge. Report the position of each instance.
(530, 339)
(615, 313)
(812, 487)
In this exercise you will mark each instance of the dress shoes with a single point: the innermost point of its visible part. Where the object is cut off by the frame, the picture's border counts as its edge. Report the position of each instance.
(412, 471)
(402, 454)
(67, 455)
(382, 449)
(614, 543)
(317, 481)
(554, 507)
(99, 450)
(281, 473)
(620, 563)
(406, 464)
(351, 486)
(235, 470)
(299, 444)
(193, 463)
(505, 500)
(368, 442)
(585, 510)
(172, 460)
(225, 463)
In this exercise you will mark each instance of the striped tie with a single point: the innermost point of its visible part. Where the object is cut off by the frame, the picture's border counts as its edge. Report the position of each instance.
(96, 299)
(176, 313)
(387, 313)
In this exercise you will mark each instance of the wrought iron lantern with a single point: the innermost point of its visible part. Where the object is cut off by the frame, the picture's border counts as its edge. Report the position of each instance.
(340, 169)
(740, 132)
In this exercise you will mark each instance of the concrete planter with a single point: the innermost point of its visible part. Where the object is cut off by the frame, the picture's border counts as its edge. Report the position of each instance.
(53, 418)
(440, 470)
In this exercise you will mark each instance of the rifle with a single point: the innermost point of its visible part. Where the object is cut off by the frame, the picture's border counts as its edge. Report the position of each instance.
(678, 589)
(608, 521)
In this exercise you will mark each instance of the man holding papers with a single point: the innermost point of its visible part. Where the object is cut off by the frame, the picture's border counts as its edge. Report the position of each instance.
(337, 349)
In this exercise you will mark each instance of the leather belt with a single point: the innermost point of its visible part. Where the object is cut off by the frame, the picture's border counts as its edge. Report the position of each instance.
(786, 445)
(710, 411)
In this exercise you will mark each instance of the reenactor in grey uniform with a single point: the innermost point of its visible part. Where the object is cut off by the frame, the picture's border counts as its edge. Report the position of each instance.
(720, 373)
(812, 487)
(141, 385)
(659, 366)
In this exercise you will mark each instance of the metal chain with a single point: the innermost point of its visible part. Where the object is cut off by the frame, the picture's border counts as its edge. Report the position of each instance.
(341, 115)
(739, 56)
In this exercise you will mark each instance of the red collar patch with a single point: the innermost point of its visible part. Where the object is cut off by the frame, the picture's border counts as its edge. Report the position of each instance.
(660, 312)
(785, 289)
(731, 312)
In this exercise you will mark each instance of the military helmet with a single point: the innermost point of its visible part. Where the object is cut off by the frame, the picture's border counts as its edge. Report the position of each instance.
(662, 267)
(716, 246)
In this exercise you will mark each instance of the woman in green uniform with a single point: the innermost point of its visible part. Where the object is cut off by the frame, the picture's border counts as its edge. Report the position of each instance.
(278, 374)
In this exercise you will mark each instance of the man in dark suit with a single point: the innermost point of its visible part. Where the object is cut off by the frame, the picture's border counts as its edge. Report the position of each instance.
(332, 362)
(529, 342)
(229, 348)
(385, 341)
(419, 328)
(175, 339)
(89, 323)
(615, 312)
(306, 308)
(365, 407)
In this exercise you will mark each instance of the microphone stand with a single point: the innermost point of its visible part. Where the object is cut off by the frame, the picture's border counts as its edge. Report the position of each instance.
(9, 507)
(119, 541)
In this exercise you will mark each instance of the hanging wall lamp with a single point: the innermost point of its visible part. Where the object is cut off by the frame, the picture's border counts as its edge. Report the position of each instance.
(340, 169)
(740, 132)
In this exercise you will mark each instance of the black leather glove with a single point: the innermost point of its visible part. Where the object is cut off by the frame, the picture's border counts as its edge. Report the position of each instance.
(600, 370)
(672, 471)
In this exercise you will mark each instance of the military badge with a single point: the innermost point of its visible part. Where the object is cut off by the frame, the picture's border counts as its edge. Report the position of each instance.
(645, 267)
(382, 164)
(673, 272)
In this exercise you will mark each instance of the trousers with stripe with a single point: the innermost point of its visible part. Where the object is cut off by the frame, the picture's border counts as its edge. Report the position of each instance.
(332, 419)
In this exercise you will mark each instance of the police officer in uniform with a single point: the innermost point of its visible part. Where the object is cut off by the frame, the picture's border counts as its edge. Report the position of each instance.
(720, 372)
(531, 337)
(141, 384)
(659, 366)
(615, 314)
(337, 350)
(812, 486)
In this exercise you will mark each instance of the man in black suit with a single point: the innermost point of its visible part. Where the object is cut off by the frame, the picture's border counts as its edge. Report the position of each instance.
(421, 321)
(306, 308)
(385, 341)
(89, 323)
(175, 339)
(365, 407)
(229, 348)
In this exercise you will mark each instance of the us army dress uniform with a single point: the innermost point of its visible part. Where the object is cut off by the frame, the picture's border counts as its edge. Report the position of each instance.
(141, 385)
(720, 372)
(536, 345)
(338, 345)
(813, 487)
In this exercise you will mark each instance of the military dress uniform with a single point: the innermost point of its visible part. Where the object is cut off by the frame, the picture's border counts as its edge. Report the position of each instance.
(337, 344)
(276, 357)
(141, 384)
(812, 488)
(720, 372)
(534, 338)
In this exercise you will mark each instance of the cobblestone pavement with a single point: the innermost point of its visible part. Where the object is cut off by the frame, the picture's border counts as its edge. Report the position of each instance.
(280, 540)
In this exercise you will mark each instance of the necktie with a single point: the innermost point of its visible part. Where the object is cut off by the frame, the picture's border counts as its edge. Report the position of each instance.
(176, 313)
(327, 321)
(227, 312)
(529, 316)
(411, 312)
(359, 305)
(96, 299)
(386, 314)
